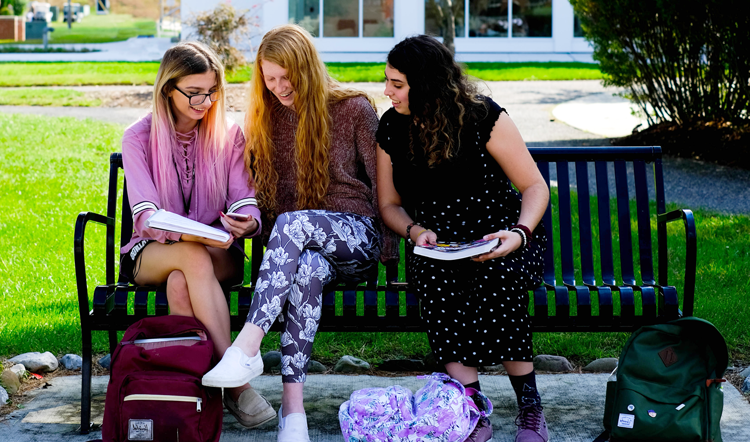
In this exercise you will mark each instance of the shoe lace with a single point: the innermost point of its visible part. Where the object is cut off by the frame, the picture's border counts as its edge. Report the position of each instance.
(530, 417)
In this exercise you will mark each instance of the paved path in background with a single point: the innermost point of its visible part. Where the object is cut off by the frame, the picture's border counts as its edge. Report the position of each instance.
(547, 113)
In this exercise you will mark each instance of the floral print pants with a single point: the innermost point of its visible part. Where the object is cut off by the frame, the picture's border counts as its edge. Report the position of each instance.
(306, 250)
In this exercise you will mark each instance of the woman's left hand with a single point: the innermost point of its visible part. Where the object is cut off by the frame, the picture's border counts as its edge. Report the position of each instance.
(509, 242)
(238, 228)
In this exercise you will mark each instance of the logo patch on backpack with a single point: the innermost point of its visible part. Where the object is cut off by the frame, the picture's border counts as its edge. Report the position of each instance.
(140, 429)
(668, 356)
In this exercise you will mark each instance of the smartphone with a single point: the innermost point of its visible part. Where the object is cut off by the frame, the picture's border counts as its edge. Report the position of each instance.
(238, 216)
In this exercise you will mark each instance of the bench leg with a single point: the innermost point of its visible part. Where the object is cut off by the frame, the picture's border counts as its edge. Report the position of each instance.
(112, 342)
(86, 382)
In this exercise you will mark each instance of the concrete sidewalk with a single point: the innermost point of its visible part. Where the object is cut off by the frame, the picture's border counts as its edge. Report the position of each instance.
(573, 405)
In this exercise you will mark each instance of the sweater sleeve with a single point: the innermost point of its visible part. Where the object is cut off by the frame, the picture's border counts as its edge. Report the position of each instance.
(241, 188)
(366, 127)
(142, 194)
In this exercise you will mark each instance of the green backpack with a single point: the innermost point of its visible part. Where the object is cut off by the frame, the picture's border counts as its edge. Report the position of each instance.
(668, 385)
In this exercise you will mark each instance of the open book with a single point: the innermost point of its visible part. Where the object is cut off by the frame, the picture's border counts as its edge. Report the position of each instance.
(451, 251)
(172, 222)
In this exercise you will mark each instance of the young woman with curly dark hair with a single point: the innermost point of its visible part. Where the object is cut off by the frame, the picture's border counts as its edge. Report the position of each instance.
(446, 163)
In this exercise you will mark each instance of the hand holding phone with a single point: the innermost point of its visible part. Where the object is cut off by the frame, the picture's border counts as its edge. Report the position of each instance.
(238, 216)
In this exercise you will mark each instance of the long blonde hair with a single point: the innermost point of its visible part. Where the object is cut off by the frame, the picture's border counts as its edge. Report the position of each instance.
(185, 59)
(292, 48)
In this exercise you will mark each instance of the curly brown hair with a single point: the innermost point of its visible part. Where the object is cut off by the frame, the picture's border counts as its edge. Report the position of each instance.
(441, 98)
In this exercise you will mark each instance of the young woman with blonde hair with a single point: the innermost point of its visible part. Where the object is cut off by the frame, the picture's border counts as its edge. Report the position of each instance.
(186, 157)
(311, 147)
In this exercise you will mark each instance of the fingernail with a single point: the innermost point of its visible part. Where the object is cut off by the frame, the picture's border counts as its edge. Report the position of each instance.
(222, 214)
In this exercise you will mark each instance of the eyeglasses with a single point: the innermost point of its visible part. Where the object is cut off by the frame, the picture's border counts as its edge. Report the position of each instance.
(197, 99)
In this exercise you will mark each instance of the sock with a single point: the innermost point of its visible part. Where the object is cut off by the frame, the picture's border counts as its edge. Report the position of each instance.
(525, 388)
(474, 385)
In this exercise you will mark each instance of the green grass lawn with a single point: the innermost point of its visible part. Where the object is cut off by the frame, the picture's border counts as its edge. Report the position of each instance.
(98, 29)
(96, 73)
(45, 97)
(53, 168)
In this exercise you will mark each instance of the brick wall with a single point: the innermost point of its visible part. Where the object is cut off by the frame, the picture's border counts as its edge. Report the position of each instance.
(12, 28)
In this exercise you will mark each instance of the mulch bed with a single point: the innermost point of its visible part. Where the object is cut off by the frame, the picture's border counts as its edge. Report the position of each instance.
(721, 142)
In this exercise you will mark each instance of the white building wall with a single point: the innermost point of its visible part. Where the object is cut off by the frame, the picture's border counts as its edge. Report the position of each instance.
(409, 19)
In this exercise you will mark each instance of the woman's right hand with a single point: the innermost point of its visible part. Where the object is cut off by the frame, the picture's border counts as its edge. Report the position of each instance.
(426, 237)
(207, 242)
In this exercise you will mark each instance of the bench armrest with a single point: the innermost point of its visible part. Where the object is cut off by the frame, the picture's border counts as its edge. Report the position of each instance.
(690, 253)
(80, 258)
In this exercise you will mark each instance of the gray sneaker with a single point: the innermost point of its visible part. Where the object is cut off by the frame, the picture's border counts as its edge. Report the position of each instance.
(532, 427)
(482, 432)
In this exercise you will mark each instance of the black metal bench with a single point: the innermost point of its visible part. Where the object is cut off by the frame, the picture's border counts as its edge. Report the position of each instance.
(580, 293)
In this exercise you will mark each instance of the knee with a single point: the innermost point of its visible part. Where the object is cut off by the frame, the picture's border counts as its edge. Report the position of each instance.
(283, 220)
(195, 259)
(178, 296)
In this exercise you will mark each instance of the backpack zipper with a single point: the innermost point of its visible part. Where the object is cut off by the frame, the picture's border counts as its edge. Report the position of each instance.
(166, 398)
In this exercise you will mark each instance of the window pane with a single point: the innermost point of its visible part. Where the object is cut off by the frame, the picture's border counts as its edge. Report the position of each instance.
(305, 13)
(532, 18)
(340, 18)
(432, 23)
(577, 30)
(488, 18)
(377, 20)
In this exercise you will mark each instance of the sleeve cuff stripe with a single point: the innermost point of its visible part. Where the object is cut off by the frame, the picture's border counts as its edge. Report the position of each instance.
(146, 205)
(242, 203)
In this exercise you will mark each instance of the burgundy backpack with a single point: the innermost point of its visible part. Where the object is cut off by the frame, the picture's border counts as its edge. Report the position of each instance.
(155, 392)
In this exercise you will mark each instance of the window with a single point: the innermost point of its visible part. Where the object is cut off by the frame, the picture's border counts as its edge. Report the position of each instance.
(342, 18)
(492, 18)
(577, 30)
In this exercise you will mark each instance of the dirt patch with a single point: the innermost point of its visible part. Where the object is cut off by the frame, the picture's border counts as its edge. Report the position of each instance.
(235, 97)
(720, 142)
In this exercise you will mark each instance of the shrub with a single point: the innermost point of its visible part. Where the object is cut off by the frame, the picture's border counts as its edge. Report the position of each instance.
(223, 29)
(681, 60)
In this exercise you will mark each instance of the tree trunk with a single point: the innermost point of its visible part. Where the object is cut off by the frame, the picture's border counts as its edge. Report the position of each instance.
(449, 25)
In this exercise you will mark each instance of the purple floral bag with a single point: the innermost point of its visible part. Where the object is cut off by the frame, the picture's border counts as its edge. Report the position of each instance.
(439, 411)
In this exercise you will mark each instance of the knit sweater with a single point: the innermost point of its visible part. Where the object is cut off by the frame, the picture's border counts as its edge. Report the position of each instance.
(352, 186)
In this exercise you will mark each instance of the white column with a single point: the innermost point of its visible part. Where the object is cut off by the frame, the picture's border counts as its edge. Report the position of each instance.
(275, 12)
(408, 18)
(562, 26)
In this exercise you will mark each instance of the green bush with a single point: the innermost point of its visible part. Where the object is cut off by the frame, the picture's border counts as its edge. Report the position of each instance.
(681, 60)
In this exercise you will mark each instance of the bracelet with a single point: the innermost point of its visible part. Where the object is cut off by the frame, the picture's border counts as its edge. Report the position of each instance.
(526, 233)
(422, 231)
(408, 232)
(522, 234)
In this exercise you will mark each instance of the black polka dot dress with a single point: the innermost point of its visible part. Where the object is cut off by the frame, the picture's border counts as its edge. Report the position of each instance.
(475, 313)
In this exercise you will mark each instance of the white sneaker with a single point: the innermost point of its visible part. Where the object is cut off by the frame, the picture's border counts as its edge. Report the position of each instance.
(293, 428)
(234, 370)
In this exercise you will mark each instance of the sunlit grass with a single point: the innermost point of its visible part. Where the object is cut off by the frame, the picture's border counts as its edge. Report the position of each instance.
(45, 97)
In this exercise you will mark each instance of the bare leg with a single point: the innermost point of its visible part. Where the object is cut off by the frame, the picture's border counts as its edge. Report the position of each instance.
(292, 399)
(463, 374)
(518, 368)
(178, 296)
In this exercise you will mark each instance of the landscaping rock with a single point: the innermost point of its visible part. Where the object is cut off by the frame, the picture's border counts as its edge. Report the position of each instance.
(37, 362)
(500, 368)
(19, 370)
(745, 373)
(746, 386)
(71, 362)
(602, 365)
(10, 381)
(555, 364)
(106, 361)
(3, 396)
(272, 362)
(316, 367)
(350, 364)
(402, 365)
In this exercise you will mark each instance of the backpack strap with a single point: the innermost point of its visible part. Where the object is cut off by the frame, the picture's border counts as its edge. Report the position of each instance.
(604, 437)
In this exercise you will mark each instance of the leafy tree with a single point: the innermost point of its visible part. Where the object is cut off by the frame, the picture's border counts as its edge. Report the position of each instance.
(681, 60)
(224, 28)
(12, 7)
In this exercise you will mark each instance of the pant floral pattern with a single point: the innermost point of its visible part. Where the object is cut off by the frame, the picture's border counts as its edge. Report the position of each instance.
(307, 250)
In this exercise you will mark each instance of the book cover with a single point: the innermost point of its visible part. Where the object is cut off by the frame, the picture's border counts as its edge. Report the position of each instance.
(172, 222)
(451, 251)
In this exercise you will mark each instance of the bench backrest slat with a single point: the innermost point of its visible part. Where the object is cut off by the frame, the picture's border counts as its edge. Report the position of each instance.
(644, 223)
(605, 223)
(623, 223)
(584, 224)
(565, 222)
(549, 255)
